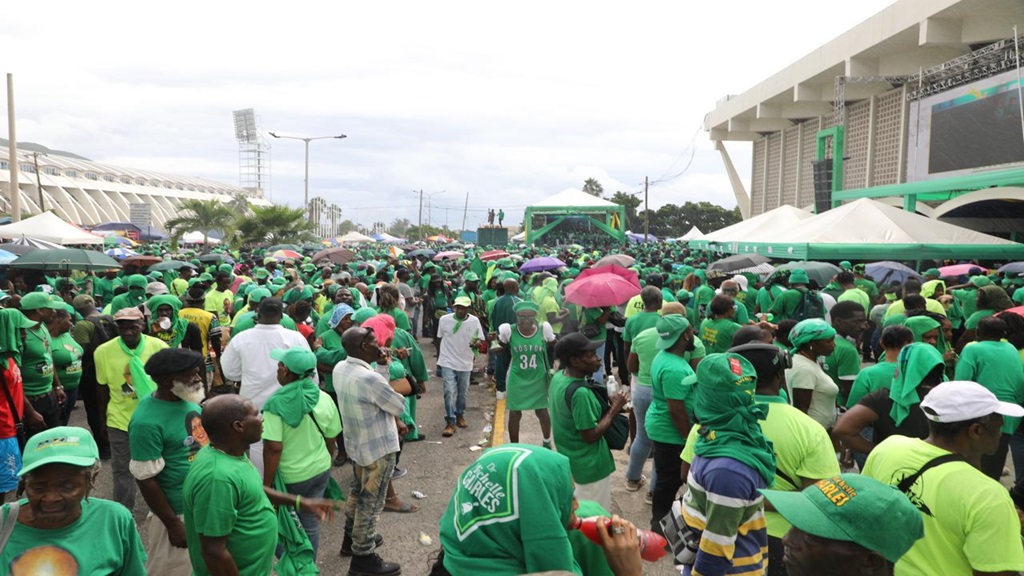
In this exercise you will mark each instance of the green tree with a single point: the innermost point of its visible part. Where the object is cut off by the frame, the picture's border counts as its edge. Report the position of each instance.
(239, 204)
(399, 227)
(275, 225)
(347, 226)
(631, 203)
(593, 187)
(671, 220)
(202, 216)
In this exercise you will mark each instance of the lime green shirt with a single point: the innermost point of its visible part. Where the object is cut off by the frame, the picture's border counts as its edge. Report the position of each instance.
(112, 372)
(304, 453)
(645, 346)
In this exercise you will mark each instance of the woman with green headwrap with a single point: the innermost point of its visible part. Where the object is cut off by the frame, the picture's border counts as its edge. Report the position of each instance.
(733, 460)
(813, 392)
(171, 329)
(545, 296)
(991, 299)
(896, 409)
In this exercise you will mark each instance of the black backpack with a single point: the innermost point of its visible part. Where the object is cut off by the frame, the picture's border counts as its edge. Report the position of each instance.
(811, 306)
(105, 329)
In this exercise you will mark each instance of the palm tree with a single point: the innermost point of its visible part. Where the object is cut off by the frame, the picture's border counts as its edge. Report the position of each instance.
(239, 204)
(275, 225)
(593, 187)
(200, 215)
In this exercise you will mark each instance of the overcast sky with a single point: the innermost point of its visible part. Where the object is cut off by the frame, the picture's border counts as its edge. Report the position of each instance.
(509, 102)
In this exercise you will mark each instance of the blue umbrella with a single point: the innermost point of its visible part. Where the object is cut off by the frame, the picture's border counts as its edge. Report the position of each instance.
(887, 271)
(7, 257)
(120, 253)
(541, 264)
(1012, 269)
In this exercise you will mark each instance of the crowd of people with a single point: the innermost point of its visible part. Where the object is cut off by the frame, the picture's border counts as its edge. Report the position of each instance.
(793, 425)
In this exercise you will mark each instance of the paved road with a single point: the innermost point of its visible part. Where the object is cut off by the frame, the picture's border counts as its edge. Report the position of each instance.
(433, 465)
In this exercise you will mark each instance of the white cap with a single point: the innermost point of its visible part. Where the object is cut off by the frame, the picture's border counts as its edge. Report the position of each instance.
(742, 281)
(960, 401)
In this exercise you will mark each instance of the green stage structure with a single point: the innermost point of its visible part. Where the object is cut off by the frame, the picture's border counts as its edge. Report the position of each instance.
(606, 216)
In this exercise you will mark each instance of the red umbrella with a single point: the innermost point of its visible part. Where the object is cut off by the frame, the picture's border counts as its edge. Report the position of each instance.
(605, 286)
(1019, 311)
(493, 255)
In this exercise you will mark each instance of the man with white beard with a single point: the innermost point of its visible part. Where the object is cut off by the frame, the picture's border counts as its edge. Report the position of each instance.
(164, 435)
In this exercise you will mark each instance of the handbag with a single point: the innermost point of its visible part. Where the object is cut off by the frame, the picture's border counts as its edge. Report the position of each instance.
(19, 425)
(618, 433)
(591, 331)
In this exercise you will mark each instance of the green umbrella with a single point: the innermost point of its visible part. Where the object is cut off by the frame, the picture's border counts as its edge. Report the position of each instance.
(66, 259)
(170, 265)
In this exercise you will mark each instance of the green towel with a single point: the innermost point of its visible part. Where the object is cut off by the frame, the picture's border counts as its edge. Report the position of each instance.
(297, 555)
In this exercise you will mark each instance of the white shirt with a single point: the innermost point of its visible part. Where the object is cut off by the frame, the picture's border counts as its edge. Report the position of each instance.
(455, 351)
(505, 332)
(247, 359)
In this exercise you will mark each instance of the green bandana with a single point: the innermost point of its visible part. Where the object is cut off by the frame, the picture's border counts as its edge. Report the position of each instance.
(141, 382)
(724, 405)
(293, 401)
(916, 361)
(808, 331)
(178, 325)
(921, 325)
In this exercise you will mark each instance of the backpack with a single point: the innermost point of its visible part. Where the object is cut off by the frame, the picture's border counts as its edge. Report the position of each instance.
(105, 329)
(616, 434)
(811, 306)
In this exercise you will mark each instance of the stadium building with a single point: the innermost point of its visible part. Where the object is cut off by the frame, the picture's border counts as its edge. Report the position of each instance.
(90, 193)
(918, 106)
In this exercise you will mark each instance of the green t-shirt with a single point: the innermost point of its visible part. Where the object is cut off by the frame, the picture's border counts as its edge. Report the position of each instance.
(589, 462)
(972, 321)
(843, 361)
(868, 286)
(996, 366)
(702, 297)
(637, 323)
(171, 431)
(802, 450)
(104, 540)
(967, 298)
(508, 514)
(304, 453)
(645, 346)
(37, 360)
(329, 355)
(969, 520)
(857, 295)
(248, 320)
(766, 296)
(129, 299)
(590, 316)
(67, 358)
(224, 497)
(717, 334)
(1018, 296)
(785, 304)
(672, 378)
(112, 372)
(870, 379)
(401, 318)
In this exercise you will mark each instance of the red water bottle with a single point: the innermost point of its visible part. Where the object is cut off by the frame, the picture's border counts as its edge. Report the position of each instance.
(652, 544)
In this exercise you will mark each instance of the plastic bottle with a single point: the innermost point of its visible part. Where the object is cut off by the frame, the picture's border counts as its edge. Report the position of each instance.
(652, 544)
(611, 385)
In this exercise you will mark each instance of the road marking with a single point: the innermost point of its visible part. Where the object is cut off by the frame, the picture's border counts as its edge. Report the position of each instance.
(498, 430)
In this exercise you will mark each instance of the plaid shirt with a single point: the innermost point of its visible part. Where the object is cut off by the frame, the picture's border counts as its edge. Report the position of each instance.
(368, 406)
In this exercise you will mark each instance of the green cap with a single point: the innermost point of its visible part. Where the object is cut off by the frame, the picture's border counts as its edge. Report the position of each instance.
(60, 445)
(932, 272)
(798, 276)
(980, 281)
(670, 327)
(224, 268)
(845, 265)
(261, 273)
(853, 508)
(279, 281)
(471, 277)
(257, 295)
(363, 314)
(193, 281)
(526, 306)
(37, 300)
(205, 277)
(683, 295)
(136, 281)
(298, 359)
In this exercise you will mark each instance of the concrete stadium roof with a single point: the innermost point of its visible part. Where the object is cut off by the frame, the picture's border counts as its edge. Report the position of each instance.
(901, 40)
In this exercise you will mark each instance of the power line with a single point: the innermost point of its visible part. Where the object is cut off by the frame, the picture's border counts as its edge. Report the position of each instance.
(693, 151)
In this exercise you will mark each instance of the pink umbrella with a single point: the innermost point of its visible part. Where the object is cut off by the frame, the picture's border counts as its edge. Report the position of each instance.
(453, 254)
(605, 286)
(1019, 311)
(493, 255)
(959, 269)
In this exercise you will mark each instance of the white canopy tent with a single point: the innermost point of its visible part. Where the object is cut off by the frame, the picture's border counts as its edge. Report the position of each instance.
(784, 217)
(693, 234)
(197, 238)
(354, 237)
(48, 226)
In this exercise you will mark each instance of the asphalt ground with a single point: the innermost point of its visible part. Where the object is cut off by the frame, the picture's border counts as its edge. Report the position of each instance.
(434, 464)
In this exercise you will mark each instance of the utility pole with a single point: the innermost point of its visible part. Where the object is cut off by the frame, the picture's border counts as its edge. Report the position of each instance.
(647, 211)
(464, 210)
(421, 216)
(12, 158)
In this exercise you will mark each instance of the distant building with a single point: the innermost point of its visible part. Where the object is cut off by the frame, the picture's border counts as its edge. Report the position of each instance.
(89, 193)
(921, 101)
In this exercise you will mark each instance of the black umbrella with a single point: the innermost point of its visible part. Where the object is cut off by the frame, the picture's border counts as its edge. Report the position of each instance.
(211, 257)
(738, 262)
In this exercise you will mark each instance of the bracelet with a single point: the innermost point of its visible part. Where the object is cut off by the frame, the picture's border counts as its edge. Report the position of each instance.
(297, 500)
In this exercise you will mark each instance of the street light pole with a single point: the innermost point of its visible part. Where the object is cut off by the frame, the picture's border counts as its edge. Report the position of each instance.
(305, 196)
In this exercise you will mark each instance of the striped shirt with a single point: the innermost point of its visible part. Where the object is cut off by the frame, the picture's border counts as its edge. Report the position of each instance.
(724, 506)
(368, 406)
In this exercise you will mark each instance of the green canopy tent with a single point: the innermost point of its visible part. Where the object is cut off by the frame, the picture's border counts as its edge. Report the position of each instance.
(606, 216)
(870, 230)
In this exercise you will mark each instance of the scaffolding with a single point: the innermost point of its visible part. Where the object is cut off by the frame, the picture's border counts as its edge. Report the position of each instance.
(253, 154)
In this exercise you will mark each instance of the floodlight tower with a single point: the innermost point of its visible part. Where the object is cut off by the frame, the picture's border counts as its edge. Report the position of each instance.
(253, 153)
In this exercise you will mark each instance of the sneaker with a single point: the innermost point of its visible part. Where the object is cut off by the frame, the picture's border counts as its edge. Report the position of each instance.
(339, 461)
(373, 565)
(634, 485)
(448, 430)
(399, 472)
(546, 445)
(346, 544)
(461, 422)
(649, 499)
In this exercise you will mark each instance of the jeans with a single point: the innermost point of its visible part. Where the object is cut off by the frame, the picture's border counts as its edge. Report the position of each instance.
(69, 404)
(415, 324)
(667, 480)
(454, 398)
(120, 456)
(315, 487)
(365, 501)
(641, 447)
(1017, 454)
